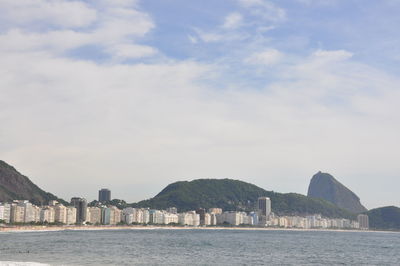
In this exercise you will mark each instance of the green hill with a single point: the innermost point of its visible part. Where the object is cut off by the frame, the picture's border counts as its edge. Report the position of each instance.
(231, 194)
(14, 185)
(387, 218)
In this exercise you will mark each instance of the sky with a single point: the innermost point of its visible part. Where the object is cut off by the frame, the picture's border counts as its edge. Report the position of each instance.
(133, 95)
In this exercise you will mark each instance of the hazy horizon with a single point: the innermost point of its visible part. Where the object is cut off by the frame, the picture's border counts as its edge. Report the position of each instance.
(134, 95)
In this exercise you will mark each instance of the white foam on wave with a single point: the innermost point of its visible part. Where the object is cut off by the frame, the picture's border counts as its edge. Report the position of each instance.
(25, 263)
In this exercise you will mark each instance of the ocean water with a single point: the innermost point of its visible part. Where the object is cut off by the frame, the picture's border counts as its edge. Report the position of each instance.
(199, 247)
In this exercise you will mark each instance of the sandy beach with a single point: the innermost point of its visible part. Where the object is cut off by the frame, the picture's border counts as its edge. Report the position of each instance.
(152, 227)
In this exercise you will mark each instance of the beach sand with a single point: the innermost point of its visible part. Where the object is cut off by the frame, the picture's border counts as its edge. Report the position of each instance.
(43, 228)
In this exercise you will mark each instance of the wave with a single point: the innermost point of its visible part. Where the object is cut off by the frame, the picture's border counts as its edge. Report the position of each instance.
(25, 263)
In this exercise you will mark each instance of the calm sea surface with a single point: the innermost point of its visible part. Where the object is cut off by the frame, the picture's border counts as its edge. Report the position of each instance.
(201, 247)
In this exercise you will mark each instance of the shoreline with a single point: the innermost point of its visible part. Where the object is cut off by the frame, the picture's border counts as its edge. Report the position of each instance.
(45, 228)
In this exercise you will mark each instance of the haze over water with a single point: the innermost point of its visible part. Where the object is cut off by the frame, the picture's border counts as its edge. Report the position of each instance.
(201, 247)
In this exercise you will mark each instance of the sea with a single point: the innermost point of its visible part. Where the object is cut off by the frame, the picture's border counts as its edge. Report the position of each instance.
(199, 247)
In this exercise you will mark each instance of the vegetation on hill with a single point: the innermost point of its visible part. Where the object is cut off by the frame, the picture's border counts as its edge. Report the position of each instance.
(325, 186)
(387, 218)
(237, 195)
(120, 204)
(14, 185)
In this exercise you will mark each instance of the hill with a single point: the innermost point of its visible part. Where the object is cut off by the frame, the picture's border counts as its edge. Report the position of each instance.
(14, 185)
(231, 194)
(325, 186)
(387, 218)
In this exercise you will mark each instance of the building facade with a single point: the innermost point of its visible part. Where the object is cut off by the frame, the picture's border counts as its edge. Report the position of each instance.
(81, 209)
(104, 195)
(363, 221)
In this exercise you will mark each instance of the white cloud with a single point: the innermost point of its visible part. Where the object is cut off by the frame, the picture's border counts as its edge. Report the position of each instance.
(55, 12)
(337, 55)
(318, 2)
(192, 39)
(266, 57)
(132, 51)
(264, 9)
(232, 21)
(219, 36)
(91, 121)
(109, 123)
(114, 29)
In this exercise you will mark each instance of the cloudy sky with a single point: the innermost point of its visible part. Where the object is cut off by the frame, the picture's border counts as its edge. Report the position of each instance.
(134, 95)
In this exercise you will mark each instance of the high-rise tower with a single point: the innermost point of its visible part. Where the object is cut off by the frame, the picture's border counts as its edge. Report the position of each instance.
(104, 195)
(264, 206)
(81, 207)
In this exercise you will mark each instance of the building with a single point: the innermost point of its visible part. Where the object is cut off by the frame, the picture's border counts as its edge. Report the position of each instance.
(202, 213)
(17, 213)
(215, 210)
(189, 218)
(106, 216)
(60, 215)
(170, 218)
(173, 210)
(71, 215)
(115, 215)
(234, 218)
(94, 215)
(29, 211)
(104, 195)
(128, 215)
(81, 209)
(264, 206)
(47, 214)
(53, 203)
(156, 217)
(363, 221)
(5, 212)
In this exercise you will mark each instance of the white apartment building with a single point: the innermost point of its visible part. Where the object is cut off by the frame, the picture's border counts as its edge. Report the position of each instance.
(47, 214)
(115, 215)
(17, 213)
(71, 215)
(5, 212)
(189, 218)
(94, 215)
(60, 213)
(170, 218)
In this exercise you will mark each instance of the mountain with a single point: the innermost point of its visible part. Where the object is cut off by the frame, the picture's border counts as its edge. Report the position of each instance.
(231, 194)
(386, 218)
(325, 186)
(14, 185)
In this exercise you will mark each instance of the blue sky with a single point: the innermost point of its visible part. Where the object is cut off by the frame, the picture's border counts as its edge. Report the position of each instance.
(133, 95)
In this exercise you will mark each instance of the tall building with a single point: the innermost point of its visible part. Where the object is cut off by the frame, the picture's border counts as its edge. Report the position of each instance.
(81, 209)
(60, 215)
(71, 215)
(5, 212)
(47, 214)
(104, 195)
(94, 215)
(105, 215)
(264, 206)
(202, 213)
(17, 213)
(363, 221)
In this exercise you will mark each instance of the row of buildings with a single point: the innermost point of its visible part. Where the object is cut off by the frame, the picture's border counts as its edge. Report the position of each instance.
(80, 213)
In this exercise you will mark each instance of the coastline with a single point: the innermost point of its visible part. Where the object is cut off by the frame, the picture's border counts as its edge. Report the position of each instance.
(44, 228)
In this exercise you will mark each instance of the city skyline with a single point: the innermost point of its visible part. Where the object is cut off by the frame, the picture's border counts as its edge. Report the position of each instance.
(134, 95)
(22, 212)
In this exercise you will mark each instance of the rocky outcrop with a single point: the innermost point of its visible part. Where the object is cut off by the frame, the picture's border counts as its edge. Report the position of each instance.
(325, 186)
(15, 186)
